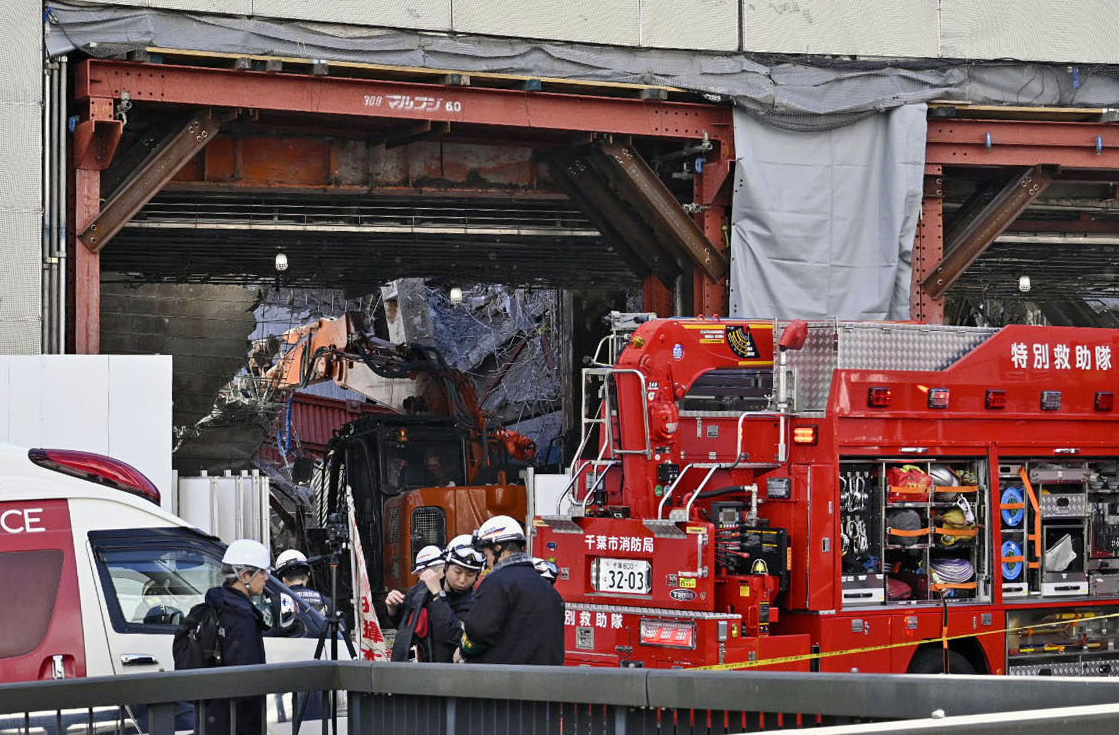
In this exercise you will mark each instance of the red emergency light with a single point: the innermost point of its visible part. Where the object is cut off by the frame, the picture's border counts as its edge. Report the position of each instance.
(805, 435)
(996, 398)
(668, 633)
(97, 468)
(938, 397)
(1105, 400)
(878, 396)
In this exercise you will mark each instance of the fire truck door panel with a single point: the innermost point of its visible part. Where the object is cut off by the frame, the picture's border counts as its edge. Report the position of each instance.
(714, 439)
(852, 633)
(810, 521)
(41, 634)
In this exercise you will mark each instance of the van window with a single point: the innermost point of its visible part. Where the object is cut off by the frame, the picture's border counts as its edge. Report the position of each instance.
(32, 578)
(154, 589)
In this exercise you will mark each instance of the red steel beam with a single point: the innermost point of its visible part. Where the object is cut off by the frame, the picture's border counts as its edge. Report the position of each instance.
(1021, 143)
(970, 242)
(201, 86)
(928, 248)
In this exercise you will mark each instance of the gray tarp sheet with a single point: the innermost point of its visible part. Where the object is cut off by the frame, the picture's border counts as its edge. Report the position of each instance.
(793, 93)
(823, 222)
(805, 96)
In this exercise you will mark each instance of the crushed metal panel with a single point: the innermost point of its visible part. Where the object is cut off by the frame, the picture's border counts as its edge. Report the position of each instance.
(835, 346)
(870, 27)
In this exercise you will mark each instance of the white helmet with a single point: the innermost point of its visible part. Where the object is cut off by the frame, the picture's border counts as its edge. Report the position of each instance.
(461, 552)
(292, 561)
(429, 556)
(498, 530)
(245, 552)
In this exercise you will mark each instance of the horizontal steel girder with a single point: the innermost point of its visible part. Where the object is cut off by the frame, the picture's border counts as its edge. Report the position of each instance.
(1020, 143)
(165, 161)
(969, 242)
(170, 84)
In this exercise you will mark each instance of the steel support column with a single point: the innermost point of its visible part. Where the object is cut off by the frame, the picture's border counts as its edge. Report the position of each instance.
(713, 198)
(86, 264)
(970, 242)
(928, 248)
(171, 155)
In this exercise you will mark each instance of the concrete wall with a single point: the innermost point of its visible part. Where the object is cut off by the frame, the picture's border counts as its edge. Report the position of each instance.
(1035, 30)
(21, 218)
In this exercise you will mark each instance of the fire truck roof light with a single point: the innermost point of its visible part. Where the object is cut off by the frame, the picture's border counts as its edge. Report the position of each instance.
(878, 396)
(938, 397)
(97, 468)
(1105, 400)
(996, 398)
(1050, 400)
(805, 435)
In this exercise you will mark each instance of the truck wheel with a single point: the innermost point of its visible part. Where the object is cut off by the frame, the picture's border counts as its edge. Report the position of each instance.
(931, 661)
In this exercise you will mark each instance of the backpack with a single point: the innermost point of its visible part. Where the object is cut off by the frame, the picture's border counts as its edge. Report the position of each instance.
(198, 639)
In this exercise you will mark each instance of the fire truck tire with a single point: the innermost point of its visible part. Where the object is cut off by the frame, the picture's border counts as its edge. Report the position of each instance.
(931, 661)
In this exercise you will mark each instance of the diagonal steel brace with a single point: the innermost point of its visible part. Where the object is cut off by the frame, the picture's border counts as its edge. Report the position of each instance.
(625, 168)
(970, 241)
(166, 160)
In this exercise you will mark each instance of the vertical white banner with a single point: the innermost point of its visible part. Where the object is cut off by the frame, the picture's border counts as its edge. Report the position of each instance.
(371, 641)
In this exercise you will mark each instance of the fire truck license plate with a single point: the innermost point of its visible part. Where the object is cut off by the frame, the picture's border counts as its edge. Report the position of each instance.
(627, 576)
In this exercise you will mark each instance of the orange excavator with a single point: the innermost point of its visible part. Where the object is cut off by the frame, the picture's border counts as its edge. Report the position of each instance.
(427, 469)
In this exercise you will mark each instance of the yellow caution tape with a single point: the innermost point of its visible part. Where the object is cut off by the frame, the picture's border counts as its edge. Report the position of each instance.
(908, 644)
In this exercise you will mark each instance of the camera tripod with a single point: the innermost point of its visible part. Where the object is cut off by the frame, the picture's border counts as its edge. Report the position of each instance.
(335, 627)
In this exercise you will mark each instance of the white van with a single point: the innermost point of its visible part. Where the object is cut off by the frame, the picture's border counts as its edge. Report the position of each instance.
(96, 576)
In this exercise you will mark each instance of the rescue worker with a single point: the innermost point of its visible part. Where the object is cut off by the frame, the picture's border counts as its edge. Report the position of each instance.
(408, 612)
(451, 603)
(294, 570)
(517, 617)
(245, 566)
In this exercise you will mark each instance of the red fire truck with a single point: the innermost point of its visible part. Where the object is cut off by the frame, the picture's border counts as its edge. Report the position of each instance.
(841, 496)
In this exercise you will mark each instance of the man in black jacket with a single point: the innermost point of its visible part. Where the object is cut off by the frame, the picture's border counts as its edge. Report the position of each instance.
(245, 565)
(517, 617)
(428, 617)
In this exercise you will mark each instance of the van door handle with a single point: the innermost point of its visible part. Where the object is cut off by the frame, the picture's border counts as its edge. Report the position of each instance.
(58, 666)
(137, 659)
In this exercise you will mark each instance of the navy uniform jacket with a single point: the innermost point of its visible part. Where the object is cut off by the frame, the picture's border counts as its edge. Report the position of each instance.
(517, 618)
(242, 645)
(442, 630)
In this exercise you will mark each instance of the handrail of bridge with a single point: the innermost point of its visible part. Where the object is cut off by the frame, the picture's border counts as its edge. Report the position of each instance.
(467, 699)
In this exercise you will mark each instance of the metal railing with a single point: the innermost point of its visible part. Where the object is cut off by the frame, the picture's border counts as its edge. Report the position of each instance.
(444, 699)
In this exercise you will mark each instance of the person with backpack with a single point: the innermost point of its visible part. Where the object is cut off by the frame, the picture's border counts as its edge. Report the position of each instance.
(245, 566)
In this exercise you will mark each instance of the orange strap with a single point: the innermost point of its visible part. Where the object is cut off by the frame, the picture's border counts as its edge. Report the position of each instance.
(909, 489)
(902, 532)
(1012, 559)
(1012, 506)
(956, 489)
(957, 586)
(963, 532)
(1037, 512)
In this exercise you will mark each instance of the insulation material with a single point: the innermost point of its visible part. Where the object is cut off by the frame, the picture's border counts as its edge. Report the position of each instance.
(21, 224)
(823, 223)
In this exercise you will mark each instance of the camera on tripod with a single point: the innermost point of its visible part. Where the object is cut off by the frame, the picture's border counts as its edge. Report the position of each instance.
(332, 537)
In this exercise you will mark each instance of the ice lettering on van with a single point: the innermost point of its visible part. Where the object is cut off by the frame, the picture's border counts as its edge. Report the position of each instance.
(26, 520)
